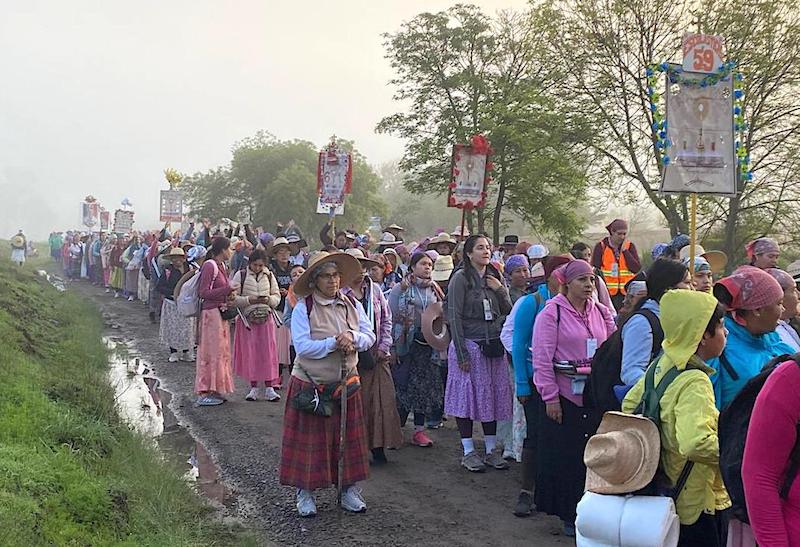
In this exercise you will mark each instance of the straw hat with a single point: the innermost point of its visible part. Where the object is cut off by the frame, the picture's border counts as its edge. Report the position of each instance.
(294, 238)
(277, 242)
(442, 268)
(457, 232)
(716, 259)
(17, 241)
(175, 251)
(349, 268)
(434, 329)
(622, 457)
(395, 227)
(388, 240)
(443, 238)
(362, 258)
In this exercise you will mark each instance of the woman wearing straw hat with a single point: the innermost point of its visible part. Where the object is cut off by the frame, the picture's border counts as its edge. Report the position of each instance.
(18, 246)
(417, 381)
(693, 334)
(176, 332)
(328, 330)
(567, 334)
(378, 391)
(281, 266)
(444, 244)
(255, 351)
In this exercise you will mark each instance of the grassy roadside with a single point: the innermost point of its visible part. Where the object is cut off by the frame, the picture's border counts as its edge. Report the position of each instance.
(71, 473)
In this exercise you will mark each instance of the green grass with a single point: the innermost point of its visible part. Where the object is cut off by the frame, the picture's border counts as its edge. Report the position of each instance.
(71, 473)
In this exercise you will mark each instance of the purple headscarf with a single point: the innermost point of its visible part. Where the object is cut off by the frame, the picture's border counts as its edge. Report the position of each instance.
(575, 269)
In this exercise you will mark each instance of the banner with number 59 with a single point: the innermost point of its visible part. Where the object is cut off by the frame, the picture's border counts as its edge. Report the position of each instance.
(702, 53)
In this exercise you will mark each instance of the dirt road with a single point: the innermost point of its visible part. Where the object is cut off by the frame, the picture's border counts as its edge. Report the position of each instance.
(422, 496)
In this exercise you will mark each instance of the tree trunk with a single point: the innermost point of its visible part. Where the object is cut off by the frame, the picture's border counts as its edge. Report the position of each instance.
(501, 194)
(481, 221)
(729, 246)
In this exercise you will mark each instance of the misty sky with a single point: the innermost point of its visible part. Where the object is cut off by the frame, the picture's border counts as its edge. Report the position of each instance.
(100, 96)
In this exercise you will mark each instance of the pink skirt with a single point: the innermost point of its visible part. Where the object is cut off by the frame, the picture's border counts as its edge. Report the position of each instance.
(214, 355)
(284, 340)
(255, 352)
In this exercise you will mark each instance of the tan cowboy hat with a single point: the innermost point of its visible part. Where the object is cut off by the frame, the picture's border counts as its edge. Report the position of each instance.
(395, 227)
(716, 259)
(443, 238)
(434, 329)
(388, 240)
(349, 268)
(362, 258)
(442, 268)
(277, 242)
(622, 457)
(175, 251)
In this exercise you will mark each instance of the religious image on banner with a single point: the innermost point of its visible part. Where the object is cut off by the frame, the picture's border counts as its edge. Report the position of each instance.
(334, 175)
(325, 208)
(123, 221)
(470, 170)
(701, 138)
(105, 219)
(171, 208)
(90, 214)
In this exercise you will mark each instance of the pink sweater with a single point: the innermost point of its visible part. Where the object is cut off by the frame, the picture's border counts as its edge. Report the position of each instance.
(213, 290)
(565, 340)
(770, 438)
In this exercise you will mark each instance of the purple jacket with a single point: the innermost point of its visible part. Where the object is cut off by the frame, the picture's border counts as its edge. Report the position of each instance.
(382, 315)
(213, 291)
(565, 340)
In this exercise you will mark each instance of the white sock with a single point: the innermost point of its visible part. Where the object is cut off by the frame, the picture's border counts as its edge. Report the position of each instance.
(418, 428)
(490, 441)
(468, 444)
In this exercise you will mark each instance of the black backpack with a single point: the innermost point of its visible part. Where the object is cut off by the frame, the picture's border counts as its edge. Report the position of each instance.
(607, 366)
(733, 423)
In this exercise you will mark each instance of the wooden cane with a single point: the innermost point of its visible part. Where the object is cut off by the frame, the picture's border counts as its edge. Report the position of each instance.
(342, 427)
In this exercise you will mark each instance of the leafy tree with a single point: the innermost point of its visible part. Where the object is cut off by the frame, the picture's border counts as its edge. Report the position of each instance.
(464, 73)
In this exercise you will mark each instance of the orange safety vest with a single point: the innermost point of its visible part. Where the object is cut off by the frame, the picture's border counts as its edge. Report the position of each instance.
(615, 270)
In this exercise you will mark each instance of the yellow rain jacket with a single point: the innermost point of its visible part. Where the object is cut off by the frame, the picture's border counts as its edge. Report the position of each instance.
(688, 414)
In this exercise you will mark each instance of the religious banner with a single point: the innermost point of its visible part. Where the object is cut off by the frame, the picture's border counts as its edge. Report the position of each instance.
(90, 214)
(334, 174)
(171, 209)
(123, 221)
(105, 219)
(699, 143)
(702, 53)
(325, 208)
(470, 174)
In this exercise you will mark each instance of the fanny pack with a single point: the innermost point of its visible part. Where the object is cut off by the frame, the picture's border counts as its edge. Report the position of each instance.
(259, 315)
(319, 399)
(492, 348)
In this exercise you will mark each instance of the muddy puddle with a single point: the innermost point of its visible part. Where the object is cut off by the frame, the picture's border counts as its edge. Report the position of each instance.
(54, 280)
(144, 405)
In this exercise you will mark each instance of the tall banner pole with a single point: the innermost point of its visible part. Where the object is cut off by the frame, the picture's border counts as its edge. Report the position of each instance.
(693, 235)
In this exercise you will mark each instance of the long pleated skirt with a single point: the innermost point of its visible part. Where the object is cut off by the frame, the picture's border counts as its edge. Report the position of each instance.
(484, 393)
(176, 331)
(213, 371)
(310, 450)
(381, 419)
(255, 352)
(284, 340)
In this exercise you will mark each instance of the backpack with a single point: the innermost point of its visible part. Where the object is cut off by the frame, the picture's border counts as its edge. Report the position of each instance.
(733, 424)
(188, 301)
(650, 407)
(607, 366)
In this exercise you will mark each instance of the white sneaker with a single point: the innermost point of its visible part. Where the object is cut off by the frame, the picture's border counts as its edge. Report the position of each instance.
(271, 395)
(173, 357)
(131, 299)
(187, 356)
(305, 503)
(352, 500)
(252, 395)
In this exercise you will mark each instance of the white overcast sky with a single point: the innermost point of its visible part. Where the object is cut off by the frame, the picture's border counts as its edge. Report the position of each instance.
(100, 96)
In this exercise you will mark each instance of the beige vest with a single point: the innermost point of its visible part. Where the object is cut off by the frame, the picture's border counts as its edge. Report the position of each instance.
(329, 318)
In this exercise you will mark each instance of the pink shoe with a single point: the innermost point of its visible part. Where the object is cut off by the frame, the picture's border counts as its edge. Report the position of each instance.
(421, 439)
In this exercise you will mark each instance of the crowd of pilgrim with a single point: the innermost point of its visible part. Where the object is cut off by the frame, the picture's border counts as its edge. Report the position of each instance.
(453, 327)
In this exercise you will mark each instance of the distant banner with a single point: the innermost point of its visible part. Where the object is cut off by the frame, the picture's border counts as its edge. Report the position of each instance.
(470, 172)
(123, 221)
(700, 137)
(171, 209)
(334, 176)
(105, 219)
(90, 214)
(325, 208)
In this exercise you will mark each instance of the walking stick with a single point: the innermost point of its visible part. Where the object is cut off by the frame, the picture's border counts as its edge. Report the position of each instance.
(342, 428)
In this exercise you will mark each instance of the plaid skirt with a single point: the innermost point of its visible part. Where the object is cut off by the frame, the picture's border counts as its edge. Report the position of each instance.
(310, 450)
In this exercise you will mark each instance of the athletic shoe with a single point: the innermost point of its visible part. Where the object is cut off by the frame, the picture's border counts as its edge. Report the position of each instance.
(173, 357)
(352, 500)
(524, 506)
(131, 299)
(188, 356)
(473, 462)
(270, 395)
(305, 503)
(116, 295)
(208, 400)
(252, 395)
(421, 439)
(495, 459)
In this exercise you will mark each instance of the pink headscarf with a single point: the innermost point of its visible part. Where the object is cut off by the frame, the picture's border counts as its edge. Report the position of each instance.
(761, 246)
(575, 269)
(750, 288)
(786, 281)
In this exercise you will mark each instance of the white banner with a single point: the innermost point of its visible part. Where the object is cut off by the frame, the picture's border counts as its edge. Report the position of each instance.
(90, 215)
(123, 221)
(325, 208)
(700, 133)
(171, 209)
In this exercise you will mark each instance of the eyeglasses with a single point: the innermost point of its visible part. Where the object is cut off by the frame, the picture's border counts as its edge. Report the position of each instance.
(329, 276)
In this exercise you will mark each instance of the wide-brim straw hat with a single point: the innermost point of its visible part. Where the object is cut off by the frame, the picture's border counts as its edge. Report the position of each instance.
(442, 268)
(349, 269)
(434, 328)
(622, 457)
(175, 251)
(395, 227)
(388, 240)
(277, 242)
(717, 260)
(296, 239)
(362, 258)
(442, 238)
